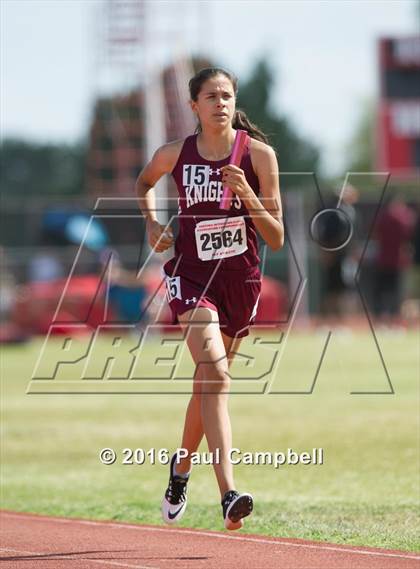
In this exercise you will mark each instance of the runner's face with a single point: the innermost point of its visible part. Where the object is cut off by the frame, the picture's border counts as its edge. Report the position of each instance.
(215, 105)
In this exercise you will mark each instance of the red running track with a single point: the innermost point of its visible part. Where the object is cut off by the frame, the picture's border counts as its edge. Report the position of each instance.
(30, 541)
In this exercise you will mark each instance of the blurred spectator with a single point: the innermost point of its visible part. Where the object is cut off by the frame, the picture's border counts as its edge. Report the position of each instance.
(10, 332)
(127, 293)
(7, 287)
(415, 289)
(410, 308)
(338, 265)
(394, 230)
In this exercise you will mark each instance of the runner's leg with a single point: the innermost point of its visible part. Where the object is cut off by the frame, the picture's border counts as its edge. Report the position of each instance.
(193, 425)
(208, 352)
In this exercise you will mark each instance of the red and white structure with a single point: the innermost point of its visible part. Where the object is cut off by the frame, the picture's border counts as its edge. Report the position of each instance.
(398, 118)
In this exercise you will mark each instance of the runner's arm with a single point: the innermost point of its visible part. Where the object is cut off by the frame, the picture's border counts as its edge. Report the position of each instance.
(268, 214)
(158, 166)
(162, 163)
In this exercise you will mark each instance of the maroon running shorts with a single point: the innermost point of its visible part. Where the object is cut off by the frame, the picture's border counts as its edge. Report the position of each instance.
(233, 294)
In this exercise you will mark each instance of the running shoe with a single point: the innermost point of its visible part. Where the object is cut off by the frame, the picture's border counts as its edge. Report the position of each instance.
(235, 507)
(175, 499)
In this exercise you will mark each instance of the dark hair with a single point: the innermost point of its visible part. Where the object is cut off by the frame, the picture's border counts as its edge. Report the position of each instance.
(240, 120)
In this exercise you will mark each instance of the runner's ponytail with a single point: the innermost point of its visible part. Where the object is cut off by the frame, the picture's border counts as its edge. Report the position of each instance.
(241, 122)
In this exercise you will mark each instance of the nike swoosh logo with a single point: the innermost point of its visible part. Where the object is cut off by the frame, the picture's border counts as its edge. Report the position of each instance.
(174, 515)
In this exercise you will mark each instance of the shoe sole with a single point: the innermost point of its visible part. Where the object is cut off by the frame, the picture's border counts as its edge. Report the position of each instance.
(239, 509)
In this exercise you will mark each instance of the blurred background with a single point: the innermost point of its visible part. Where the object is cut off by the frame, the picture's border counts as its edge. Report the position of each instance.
(90, 89)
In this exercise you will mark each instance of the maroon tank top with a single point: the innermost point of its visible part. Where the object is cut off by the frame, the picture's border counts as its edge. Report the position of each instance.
(209, 236)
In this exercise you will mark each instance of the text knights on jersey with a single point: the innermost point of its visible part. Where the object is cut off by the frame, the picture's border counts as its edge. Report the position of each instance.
(212, 192)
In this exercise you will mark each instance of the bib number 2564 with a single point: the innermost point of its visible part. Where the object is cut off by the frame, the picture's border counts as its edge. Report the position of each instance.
(220, 238)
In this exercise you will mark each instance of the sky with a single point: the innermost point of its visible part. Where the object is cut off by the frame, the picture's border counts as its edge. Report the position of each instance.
(323, 55)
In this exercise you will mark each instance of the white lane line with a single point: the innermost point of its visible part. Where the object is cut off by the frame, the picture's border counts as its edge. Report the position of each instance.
(52, 557)
(217, 535)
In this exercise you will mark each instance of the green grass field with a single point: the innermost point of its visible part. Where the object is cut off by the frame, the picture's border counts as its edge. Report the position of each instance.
(365, 493)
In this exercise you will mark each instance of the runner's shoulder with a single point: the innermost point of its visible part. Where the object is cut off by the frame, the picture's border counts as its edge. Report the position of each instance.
(259, 148)
(262, 154)
(168, 154)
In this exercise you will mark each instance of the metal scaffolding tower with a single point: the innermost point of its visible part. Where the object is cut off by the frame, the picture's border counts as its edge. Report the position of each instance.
(140, 81)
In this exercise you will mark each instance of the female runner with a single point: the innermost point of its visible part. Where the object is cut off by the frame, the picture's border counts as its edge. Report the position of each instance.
(213, 281)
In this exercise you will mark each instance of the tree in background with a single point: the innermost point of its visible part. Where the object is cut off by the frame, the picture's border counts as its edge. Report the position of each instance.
(361, 148)
(30, 168)
(294, 153)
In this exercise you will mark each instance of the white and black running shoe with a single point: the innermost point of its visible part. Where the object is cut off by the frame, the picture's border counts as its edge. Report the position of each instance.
(175, 499)
(235, 507)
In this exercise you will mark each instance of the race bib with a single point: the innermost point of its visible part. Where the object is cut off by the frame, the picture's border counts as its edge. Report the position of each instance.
(220, 238)
(173, 288)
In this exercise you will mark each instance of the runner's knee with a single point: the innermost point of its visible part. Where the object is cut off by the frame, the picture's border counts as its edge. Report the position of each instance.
(215, 378)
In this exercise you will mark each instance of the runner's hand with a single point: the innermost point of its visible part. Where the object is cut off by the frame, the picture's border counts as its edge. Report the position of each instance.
(158, 238)
(234, 177)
